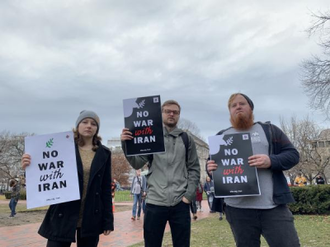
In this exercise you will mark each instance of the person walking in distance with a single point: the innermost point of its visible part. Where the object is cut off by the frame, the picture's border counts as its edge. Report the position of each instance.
(138, 189)
(15, 194)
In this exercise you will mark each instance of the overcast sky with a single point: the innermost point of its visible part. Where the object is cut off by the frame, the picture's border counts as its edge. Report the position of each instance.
(60, 57)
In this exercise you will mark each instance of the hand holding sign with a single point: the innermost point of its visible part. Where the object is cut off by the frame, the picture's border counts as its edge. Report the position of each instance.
(126, 135)
(260, 161)
(211, 166)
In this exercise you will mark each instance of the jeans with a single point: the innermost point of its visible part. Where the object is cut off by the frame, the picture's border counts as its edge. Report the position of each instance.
(155, 220)
(12, 206)
(137, 201)
(210, 198)
(276, 225)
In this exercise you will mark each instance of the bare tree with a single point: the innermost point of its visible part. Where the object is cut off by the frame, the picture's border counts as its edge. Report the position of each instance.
(120, 168)
(11, 151)
(316, 71)
(187, 125)
(304, 135)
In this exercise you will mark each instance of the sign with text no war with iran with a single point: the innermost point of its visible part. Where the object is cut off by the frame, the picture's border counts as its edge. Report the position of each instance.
(233, 177)
(143, 117)
(52, 176)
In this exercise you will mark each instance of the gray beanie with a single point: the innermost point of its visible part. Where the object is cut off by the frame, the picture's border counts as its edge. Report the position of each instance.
(248, 100)
(88, 114)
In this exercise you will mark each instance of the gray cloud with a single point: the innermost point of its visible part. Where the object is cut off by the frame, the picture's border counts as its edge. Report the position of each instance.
(60, 57)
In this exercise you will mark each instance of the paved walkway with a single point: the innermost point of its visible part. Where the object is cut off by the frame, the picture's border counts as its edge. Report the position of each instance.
(126, 233)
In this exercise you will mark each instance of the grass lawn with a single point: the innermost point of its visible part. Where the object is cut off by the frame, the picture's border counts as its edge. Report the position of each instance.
(313, 231)
(4, 208)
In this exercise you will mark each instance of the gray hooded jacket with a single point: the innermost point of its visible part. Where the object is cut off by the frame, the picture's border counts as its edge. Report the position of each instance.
(170, 178)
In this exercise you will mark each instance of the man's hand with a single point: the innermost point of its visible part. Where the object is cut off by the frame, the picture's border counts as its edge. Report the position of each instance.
(211, 166)
(126, 135)
(185, 200)
(260, 161)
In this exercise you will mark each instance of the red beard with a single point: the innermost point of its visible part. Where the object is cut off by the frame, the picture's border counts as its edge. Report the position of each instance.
(242, 122)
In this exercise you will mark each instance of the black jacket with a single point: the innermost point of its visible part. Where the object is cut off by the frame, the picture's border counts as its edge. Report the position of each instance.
(60, 222)
(283, 156)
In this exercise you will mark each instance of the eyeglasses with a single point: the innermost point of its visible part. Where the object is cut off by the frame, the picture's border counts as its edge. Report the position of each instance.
(168, 112)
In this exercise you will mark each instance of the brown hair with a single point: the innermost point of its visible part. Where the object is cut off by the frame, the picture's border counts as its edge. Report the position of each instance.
(171, 102)
(12, 182)
(80, 142)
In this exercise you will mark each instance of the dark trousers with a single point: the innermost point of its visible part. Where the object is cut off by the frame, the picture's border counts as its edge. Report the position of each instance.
(155, 219)
(81, 242)
(193, 207)
(275, 225)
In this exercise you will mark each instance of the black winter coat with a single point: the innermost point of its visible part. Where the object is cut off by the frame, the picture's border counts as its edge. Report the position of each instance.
(60, 222)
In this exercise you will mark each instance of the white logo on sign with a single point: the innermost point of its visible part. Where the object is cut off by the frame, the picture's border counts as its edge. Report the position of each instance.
(255, 137)
(156, 100)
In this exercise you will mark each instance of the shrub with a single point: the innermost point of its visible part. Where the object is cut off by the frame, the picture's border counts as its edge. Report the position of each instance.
(21, 197)
(313, 199)
(7, 194)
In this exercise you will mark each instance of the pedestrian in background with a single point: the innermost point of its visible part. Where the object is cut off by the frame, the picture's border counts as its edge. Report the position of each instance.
(138, 189)
(319, 179)
(300, 180)
(199, 197)
(15, 194)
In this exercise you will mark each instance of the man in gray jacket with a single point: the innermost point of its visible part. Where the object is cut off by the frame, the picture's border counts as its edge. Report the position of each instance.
(172, 182)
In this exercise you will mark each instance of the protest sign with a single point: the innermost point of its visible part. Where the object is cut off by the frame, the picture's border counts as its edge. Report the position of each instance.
(233, 177)
(143, 117)
(52, 176)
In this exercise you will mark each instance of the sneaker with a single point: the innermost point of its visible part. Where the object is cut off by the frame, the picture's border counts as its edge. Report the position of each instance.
(133, 218)
(11, 216)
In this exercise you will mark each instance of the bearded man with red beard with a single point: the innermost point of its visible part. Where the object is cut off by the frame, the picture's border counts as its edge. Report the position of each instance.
(267, 215)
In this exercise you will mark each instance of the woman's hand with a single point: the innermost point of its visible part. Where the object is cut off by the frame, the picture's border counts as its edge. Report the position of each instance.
(107, 232)
(26, 160)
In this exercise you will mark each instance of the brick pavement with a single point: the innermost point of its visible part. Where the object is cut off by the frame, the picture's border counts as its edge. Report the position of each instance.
(126, 233)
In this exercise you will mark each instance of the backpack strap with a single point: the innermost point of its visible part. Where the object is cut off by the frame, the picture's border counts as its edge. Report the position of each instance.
(185, 140)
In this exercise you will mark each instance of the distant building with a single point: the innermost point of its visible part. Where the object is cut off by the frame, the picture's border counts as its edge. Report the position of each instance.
(322, 145)
(203, 153)
(114, 145)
